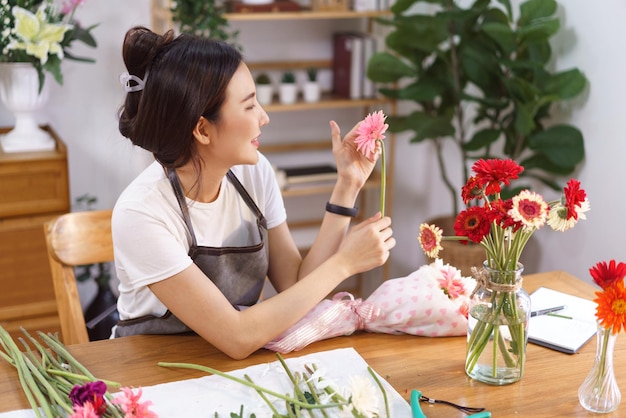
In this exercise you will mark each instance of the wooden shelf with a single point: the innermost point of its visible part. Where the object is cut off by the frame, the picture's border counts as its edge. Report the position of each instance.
(328, 101)
(303, 15)
(326, 188)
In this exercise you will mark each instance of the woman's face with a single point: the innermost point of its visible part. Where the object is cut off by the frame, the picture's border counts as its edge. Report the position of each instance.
(235, 137)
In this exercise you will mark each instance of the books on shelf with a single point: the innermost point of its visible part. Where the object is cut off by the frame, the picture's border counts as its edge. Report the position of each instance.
(351, 53)
(306, 175)
(566, 329)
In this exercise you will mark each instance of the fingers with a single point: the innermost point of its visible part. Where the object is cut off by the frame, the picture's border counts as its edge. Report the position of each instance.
(335, 134)
(370, 242)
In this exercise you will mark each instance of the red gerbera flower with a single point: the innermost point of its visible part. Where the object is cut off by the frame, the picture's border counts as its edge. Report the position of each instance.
(574, 197)
(472, 223)
(611, 310)
(499, 213)
(604, 275)
(490, 173)
(471, 190)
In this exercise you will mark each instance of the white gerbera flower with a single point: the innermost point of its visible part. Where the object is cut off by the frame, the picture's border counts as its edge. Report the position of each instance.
(364, 397)
(530, 209)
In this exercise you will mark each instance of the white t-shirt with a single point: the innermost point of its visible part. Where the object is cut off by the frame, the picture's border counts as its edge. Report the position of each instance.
(151, 241)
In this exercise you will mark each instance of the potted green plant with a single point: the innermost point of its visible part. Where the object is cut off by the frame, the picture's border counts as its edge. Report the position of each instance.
(204, 18)
(288, 91)
(311, 88)
(481, 80)
(264, 89)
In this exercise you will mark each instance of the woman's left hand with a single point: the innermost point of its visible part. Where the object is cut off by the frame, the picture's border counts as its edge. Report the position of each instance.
(352, 166)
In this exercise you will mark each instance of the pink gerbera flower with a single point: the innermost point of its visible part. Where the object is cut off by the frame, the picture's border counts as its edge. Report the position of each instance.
(369, 131)
(131, 405)
(451, 282)
(85, 411)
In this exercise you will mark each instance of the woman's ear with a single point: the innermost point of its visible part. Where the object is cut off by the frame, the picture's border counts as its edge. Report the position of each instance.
(202, 131)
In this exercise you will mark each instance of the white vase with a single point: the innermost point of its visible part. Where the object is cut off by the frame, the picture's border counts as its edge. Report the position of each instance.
(311, 91)
(19, 91)
(288, 93)
(264, 93)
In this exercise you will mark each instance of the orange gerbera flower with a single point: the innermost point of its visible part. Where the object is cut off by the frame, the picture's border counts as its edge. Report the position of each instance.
(611, 310)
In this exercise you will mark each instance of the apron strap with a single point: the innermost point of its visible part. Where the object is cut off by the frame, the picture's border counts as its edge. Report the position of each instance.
(247, 198)
(180, 197)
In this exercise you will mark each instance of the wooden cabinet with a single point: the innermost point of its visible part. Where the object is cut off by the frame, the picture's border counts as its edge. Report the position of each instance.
(304, 229)
(33, 189)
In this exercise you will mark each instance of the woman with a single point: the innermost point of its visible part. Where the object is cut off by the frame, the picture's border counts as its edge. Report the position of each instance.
(197, 233)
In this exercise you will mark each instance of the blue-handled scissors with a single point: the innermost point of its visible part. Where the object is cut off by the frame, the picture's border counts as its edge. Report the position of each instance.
(416, 409)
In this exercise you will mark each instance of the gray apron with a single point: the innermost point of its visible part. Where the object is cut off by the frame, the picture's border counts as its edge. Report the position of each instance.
(238, 272)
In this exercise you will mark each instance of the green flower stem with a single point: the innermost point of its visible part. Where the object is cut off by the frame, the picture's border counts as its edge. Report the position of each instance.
(82, 379)
(246, 383)
(382, 389)
(262, 395)
(312, 388)
(296, 388)
(35, 397)
(383, 176)
(602, 365)
(66, 404)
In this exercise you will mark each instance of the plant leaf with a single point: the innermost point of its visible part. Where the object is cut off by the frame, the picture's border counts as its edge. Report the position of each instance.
(566, 85)
(533, 10)
(482, 139)
(562, 145)
(386, 68)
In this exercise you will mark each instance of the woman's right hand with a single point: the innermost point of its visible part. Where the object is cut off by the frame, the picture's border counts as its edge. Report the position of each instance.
(367, 244)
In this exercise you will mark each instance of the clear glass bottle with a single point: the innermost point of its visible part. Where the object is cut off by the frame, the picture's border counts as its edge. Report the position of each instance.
(497, 331)
(599, 391)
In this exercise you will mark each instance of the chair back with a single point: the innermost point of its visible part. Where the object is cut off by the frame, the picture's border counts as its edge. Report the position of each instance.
(76, 239)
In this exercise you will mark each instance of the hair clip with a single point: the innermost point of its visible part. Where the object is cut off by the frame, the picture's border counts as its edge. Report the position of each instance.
(126, 78)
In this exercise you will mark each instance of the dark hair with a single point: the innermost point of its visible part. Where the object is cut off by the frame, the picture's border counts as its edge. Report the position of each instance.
(185, 77)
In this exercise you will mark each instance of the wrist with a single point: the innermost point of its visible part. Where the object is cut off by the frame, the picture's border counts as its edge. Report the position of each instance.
(341, 210)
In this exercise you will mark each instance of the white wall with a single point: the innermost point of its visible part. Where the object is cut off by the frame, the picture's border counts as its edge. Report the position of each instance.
(83, 112)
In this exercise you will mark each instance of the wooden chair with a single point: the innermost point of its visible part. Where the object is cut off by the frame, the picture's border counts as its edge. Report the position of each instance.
(72, 240)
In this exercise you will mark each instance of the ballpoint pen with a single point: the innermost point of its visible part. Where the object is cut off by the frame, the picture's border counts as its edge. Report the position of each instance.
(547, 311)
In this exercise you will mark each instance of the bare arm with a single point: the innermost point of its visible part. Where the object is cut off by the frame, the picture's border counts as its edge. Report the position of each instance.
(197, 302)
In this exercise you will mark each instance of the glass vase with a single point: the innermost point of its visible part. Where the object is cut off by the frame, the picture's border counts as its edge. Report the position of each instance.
(599, 391)
(498, 327)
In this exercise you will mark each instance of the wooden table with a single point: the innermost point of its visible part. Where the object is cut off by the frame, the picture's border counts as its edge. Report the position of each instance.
(549, 387)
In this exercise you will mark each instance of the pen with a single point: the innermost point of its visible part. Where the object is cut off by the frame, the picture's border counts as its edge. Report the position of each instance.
(546, 311)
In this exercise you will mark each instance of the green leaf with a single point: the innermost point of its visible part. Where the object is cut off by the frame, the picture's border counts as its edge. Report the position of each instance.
(562, 145)
(425, 126)
(424, 90)
(386, 68)
(502, 34)
(482, 139)
(539, 31)
(422, 32)
(524, 122)
(480, 67)
(507, 6)
(566, 85)
(536, 9)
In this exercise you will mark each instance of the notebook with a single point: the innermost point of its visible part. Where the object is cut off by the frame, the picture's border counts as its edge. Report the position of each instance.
(566, 330)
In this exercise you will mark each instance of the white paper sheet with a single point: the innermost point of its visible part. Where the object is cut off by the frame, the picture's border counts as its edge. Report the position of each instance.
(206, 395)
